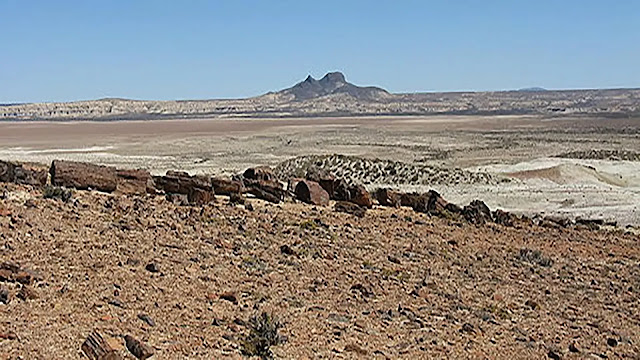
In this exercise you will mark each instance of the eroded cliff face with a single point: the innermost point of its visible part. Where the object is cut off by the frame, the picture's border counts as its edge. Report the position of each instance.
(334, 95)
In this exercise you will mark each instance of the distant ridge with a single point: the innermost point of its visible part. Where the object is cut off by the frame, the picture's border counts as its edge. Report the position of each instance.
(533, 89)
(333, 95)
(332, 83)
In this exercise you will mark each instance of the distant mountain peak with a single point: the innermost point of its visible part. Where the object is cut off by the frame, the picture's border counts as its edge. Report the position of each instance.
(334, 77)
(331, 83)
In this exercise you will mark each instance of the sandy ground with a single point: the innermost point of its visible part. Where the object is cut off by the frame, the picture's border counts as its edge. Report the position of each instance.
(503, 145)
(393, 284)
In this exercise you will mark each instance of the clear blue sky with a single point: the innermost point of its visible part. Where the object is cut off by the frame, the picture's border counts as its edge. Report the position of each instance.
(71, 50)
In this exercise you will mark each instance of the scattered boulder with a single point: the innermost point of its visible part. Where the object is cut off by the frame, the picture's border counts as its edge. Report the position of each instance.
(326, 180)
(287, 250)
(477, 212)
(96, 347)
(135, 181)
(311, 192)
(263, 173)
(17, 173)
(387, 197)
(292, 183)
(503, 218)
(430, 203)
(410, 199)
(360, 196)
(139, 349)
(341, 191)
(83, 176)
(350, 208)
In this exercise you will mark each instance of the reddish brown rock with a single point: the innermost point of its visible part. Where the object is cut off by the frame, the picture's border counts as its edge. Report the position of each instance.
(198, 188)
(360, 196)
(263, 173)
(350, 208)
(504, 218)
(326, 180)
(341, 191)
(96, 347)
(271, 191)
(477, 212)
(139, 349)
(138, 182)
(83, 176)
(224, 186)
(431, 203)
(17, 173)
(387, 197)
(292, 183)
(312, 193)
(410, 199)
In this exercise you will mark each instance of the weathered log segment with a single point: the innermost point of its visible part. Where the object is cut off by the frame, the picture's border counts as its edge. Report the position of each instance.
(83, 176)
(17, 173)
(198, 188)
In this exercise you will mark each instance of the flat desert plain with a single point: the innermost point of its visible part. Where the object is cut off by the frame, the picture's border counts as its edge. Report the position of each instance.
(559, 166)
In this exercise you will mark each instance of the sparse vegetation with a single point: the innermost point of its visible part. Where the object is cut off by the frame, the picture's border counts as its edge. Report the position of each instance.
(57, 192)
(263, 334)
(534, 257)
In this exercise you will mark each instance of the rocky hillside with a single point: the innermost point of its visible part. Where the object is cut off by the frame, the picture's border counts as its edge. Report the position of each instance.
(333, 95)
(139, 275)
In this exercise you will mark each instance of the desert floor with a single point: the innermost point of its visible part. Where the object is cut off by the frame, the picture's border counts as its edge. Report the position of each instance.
(501, 145)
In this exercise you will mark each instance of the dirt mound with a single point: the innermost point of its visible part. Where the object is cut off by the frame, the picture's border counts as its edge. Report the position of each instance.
(613, 155)
(570, 174)
(381, 172)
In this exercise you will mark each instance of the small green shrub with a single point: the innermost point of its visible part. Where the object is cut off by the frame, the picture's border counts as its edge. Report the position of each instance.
(263, 333)
(57, 192)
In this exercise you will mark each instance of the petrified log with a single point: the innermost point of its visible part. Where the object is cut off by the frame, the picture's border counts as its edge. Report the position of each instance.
(326, 180)
(504, 218)
(477, 212)
(360, 196)
(341, 191)
(263, 173)
(95, 347)
(387, 197)
(223, 186)
(83, 176)
(17, 173)
(271, 191)
(312, 193)
(431, 203)
(198, 188)
(137, 182)
(139, 349)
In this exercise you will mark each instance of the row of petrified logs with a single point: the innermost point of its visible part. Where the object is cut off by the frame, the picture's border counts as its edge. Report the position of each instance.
(317, 188)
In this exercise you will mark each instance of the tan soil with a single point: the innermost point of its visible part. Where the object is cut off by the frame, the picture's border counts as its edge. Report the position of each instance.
(429, 288)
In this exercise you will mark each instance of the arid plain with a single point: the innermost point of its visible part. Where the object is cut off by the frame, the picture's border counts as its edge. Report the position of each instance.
(582, 166)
